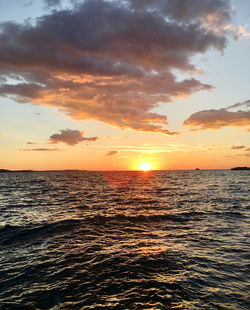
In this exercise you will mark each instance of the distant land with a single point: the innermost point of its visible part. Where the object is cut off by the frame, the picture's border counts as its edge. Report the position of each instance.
(11, 171)
(241, 168)
(5, 170)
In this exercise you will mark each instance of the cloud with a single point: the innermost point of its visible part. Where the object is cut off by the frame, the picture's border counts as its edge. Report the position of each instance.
(31, 143)
(216, 119)
(242, 31)
(160, 148)
(70, 137)
(28, 3)
(248, 149)
(208, 11)
(111, 61)
(237, 147)
(41, 150)
(51, 3)
(111, 153)
(245, 104)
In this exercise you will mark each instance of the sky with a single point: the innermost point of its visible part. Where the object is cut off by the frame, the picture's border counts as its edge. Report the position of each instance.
(112, 85)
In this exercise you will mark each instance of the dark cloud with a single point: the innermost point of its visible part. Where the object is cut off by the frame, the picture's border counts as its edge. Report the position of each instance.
(111, 153)
(52, 3)
(245, 104)
(31, 143)
(209, 11)
(41, 150)
(237, 147)
(111, 61)
(70, 137)
(216, 119)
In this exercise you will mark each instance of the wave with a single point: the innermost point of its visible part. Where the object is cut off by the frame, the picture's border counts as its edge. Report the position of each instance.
(12, 234)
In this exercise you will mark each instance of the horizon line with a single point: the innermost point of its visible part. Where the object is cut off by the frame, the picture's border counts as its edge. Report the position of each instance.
(123, 170)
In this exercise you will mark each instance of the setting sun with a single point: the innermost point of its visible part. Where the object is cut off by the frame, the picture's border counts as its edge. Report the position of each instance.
(145, 166)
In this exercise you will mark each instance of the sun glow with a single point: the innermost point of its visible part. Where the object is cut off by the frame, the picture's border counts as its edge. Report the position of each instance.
(145, 166)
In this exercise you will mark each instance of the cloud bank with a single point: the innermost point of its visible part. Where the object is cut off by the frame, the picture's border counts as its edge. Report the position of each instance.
(111, 61)
(216, 119)
(70, 137)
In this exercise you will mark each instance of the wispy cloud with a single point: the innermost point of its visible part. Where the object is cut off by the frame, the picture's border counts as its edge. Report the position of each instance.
(70, 137)
(243, 32)
(28, 3)
(237, 147)
(31, 143)
(216, 119)
(112, 61)
(160, 148)
(111, 153)
(41, 150)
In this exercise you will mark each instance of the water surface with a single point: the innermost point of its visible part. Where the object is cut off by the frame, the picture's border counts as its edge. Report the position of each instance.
(124, 240)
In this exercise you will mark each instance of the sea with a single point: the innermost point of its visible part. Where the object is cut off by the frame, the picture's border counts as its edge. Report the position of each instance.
(125, 240)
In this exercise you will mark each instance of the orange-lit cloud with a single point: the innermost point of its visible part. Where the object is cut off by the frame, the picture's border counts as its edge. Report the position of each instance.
(41, 150)
(111, 153)
(216, 119)
(70, 137)
(111, 61)
(242, 31)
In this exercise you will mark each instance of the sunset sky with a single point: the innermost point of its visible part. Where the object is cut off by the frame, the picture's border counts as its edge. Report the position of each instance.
(109, 85)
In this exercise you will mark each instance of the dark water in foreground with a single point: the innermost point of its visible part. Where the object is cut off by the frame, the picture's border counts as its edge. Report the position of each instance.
(125, 240)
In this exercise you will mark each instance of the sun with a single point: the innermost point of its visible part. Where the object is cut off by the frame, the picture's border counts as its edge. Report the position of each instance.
(145, 166)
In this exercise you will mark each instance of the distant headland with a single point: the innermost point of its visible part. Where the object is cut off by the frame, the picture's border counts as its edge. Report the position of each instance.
(12, 171)
(240, 168)
(6, 171)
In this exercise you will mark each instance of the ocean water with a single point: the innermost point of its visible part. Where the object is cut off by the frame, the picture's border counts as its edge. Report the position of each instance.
(125, 240)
